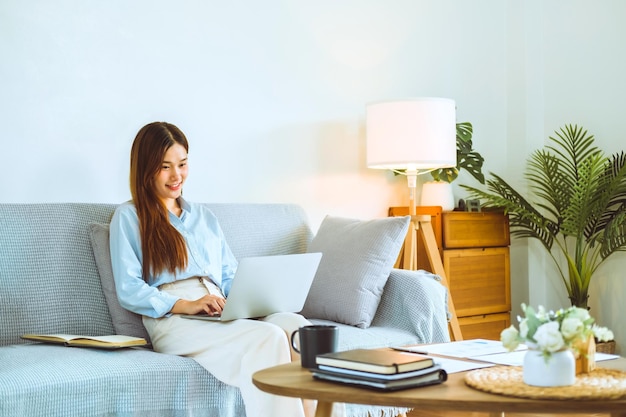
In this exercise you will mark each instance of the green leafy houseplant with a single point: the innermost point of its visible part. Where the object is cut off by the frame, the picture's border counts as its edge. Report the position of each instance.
(580, 207)
(466, 157)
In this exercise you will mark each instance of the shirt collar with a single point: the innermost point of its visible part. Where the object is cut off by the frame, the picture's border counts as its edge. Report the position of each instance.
(185, 206)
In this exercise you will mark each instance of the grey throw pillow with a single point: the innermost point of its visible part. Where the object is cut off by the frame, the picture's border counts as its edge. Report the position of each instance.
(357, 259)
(125, 322)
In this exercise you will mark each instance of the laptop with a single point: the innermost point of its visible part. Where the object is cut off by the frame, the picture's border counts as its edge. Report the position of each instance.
(264, 285)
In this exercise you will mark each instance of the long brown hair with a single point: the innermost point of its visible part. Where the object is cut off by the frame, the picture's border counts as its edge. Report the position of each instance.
(162, 245)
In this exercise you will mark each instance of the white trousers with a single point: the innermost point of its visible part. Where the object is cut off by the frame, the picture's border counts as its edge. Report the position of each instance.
(232, 351)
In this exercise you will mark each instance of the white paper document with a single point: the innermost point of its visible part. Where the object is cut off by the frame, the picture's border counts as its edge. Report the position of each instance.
(517, 358)
(452, 366)
(488, 352)
(462, 348)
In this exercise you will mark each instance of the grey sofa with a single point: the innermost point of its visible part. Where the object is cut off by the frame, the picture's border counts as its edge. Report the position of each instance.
(50, 283)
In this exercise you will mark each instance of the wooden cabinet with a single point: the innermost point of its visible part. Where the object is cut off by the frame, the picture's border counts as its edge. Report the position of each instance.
(477, 264)
(475, 253)
(475, 230)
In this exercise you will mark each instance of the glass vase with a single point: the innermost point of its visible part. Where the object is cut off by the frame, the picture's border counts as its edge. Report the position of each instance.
(556, 371)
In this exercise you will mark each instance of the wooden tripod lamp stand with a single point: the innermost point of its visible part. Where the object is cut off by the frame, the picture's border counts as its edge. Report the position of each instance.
(422, 225)
(412, 137)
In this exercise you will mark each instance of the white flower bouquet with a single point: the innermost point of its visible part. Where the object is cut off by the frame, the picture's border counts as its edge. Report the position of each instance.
(549, 331)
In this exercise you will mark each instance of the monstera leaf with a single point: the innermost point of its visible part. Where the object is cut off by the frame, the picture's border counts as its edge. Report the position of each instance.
(466, 157)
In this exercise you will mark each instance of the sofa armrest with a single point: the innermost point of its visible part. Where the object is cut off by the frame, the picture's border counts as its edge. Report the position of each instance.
(417, 302)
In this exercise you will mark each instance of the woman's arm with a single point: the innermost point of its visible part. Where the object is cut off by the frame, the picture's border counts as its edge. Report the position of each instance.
(133, 292)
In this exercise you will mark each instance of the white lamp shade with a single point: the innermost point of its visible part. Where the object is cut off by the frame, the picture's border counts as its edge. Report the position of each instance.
(413, 134)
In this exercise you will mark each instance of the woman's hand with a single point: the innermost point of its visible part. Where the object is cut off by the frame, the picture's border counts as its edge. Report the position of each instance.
(210, 304)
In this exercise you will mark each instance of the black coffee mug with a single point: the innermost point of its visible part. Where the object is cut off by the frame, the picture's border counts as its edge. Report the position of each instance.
(315, 340)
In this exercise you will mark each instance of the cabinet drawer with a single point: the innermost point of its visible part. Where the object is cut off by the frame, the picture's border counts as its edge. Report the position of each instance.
(484, 327)
(478, 280)
(475, 230)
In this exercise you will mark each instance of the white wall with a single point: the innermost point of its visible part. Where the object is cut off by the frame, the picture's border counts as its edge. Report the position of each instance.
(584, 58)
(574, 63)
(271, 95)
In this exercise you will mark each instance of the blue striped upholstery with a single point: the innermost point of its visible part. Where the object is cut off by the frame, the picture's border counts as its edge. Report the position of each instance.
(49, 283)
(49, 380)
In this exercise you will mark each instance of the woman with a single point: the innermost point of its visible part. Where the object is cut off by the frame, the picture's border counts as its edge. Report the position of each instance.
(170, 257)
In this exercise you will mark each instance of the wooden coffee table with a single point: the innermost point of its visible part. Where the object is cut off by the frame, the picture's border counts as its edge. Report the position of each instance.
(291, 380)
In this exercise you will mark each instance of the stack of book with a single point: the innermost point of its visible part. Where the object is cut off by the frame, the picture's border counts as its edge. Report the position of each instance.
(380, 369)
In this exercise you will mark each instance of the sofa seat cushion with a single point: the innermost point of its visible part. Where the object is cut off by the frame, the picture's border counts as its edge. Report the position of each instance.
(39, 380)
(57, 381)
(351, 337)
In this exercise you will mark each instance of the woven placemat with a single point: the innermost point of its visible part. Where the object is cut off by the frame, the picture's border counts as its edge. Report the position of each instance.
(600, 384)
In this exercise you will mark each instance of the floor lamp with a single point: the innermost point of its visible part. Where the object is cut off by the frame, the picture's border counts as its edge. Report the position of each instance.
(413, 137)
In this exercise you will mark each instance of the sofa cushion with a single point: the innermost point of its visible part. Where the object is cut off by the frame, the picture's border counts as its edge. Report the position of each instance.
(41, 380)
(357, 259)
(124, 321)
(49, 281)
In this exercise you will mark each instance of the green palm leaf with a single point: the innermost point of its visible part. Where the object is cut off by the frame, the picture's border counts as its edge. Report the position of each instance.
(548, 183)
(524, 219)
(615, 236)
(583, 209)
(573, 146)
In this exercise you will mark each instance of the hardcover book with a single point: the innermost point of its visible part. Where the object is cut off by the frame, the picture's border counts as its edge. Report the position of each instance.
(377, 376)
(435, 376)
(376, 360)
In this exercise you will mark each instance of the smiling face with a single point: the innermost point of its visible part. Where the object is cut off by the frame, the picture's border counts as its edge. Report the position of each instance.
(158, 167)
(169, 180)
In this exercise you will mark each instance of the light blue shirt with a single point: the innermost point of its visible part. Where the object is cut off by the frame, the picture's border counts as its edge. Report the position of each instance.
(207, 251)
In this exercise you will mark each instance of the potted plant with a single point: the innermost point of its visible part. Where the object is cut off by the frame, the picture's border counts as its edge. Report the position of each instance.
(554, 340)
(439, 191)
(579, 208)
